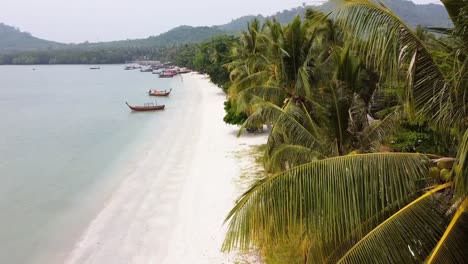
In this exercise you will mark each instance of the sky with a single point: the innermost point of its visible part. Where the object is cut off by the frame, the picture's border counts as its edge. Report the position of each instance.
(105, 20)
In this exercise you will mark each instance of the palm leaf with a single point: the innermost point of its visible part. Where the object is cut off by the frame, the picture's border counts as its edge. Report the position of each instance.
(329, 198)
(408, 236)
(371, 137)
(249, 96)
(302, 87)
(268, 112)
(337, 100)
(453, 244)
(389, 43)
(291, 155)
(461, 167)
(242, 78)
(454, 9)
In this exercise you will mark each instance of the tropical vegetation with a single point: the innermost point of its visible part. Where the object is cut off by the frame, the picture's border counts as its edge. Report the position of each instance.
(367, 156)
(18, 47)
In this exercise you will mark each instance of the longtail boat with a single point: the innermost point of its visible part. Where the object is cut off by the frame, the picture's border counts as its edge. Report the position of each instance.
(168, 74)
(146, 107)
(159, 93)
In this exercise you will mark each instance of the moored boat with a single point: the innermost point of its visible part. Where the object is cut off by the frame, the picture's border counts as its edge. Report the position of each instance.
(159, 93)
(168, 73)
(184, 70)
(146, 107)
(131, 67)
(146, 69)
(94, 68)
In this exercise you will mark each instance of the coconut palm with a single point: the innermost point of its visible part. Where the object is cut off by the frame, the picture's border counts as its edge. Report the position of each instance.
(280, 62)
(377, 207)
(247, 67)
(330, 122)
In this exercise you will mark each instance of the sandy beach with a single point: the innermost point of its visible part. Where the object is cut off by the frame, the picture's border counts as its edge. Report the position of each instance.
(171, 207)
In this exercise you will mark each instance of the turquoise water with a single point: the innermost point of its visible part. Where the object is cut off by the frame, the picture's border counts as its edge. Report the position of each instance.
(66, 139)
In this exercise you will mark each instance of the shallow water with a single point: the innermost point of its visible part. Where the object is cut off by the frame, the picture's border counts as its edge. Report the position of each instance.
(66, 140)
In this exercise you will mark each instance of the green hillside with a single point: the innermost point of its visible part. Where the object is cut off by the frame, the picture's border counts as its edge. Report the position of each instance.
(13, 41)
(425, 15)
(175, 36)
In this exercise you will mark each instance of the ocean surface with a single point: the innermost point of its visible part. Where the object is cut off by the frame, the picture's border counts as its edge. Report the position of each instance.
(66, 141)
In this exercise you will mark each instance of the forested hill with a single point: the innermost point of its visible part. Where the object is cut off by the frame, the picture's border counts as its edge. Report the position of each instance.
(430, 15)
(175, 36)
(13, 40)
(424, 15)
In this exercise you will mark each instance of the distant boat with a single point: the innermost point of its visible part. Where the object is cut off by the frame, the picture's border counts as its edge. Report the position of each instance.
(168, 74)
(131, 67)
(159, 93)
(184, 70)
(94, 68)
(146, 107)
(147, 69)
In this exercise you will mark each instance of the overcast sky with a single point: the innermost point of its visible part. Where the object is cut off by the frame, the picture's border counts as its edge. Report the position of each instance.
(104, 20)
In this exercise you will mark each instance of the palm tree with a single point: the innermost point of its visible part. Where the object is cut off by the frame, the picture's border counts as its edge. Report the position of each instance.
(377, 207)
(280, 62)
(332, 121)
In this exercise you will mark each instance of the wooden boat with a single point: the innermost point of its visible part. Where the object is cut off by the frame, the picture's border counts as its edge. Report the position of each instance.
(146, 107)
(168, 74)
(159, 93)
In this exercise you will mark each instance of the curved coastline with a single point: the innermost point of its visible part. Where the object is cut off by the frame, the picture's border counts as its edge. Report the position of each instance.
(171, 208)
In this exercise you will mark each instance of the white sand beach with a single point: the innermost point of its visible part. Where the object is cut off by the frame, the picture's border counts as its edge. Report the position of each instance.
(171, 207)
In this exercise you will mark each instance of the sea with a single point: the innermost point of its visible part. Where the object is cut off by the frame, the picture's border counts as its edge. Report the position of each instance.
(67, 140)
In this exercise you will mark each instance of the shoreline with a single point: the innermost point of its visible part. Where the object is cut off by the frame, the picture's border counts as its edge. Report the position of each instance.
(173, 211)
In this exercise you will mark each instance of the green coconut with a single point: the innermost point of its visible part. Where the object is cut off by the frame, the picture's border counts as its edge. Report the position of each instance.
(445, 174)
(445, 164)
(434, 172)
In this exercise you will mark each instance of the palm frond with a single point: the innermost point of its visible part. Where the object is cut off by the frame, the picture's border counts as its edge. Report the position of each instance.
(337, 100)
(329, 198)
(408, 236)
(249, 96)
(453, 244)
(245, 79)
(268, 112)
(294, 39)
(390, 44)
(302, 87)
(371, 137)
(288, 155)
(461, 167)
(455, 10)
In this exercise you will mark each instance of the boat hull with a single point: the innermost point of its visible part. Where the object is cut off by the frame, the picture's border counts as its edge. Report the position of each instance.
(159, 93)
(146, 108)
